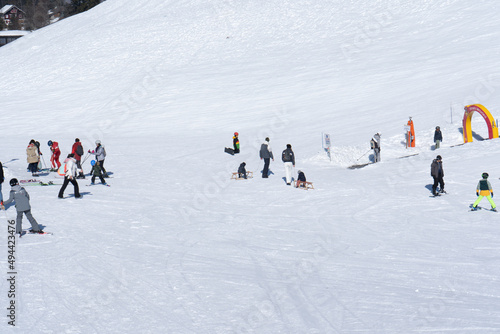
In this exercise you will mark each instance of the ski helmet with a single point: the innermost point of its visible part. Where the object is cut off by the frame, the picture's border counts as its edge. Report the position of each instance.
(49, 143)
(236, 134)
(92, 163)
(98, 142)
(13, 182)
(439, 158)
(485, 175)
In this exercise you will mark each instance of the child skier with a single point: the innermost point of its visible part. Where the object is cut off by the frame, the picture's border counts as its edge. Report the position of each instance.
(242, 172)
(56, 153)
(236, 143)
(96, 172)
(19, 195)
(484, 189)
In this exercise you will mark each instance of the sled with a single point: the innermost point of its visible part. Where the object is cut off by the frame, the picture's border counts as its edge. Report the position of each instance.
(303, 185)
(235, 176)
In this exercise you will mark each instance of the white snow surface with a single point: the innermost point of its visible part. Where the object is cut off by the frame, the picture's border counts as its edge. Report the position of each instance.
(175, 246)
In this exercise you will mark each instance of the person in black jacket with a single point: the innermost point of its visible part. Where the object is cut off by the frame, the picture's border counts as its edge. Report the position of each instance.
(438, 137)
(289, 160)
(242, 172)
(236, 143)
(437, 173)
(301, 179)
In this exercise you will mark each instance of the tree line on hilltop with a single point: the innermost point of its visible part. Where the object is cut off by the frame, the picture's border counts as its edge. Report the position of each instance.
(40, 13)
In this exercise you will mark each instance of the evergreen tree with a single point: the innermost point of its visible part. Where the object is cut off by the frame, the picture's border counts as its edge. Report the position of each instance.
(80, 6)
(2, 24)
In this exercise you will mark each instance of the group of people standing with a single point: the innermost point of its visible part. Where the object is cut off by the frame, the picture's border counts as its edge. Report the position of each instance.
(266, 154)
(71, 170)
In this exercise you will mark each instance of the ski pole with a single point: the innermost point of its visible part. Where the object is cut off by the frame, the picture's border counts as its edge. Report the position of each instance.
(43, 160)
(363, 155)
(86, 157)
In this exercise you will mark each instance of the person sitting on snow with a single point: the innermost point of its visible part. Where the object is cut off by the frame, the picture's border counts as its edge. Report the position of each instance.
(242, 172)
(301, 179)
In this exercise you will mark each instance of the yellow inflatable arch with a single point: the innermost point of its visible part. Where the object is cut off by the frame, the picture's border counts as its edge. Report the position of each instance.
(469, 111)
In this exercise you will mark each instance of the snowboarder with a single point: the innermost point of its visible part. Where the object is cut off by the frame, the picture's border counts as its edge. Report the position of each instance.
(242, 172)
(100, 153)
(33, 157)
(77, 151)
(301, 179)
(266, 153)
(236, 143)
(484, 189)
(288, 159)
(70, 169)
(56, 153)
(375, 145)
(438, 137)
(437, 173)
(19, 195)
(96, 172)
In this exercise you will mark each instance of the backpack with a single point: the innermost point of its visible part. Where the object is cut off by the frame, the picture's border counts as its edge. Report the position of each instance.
(104, 151)
(285, 156)
(79, 150)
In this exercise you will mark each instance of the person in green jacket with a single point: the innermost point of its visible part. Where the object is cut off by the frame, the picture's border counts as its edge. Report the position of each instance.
(96, 172)
(484, 189)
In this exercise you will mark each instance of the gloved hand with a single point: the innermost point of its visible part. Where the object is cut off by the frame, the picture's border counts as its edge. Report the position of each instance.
(491, 195)
(477, 194)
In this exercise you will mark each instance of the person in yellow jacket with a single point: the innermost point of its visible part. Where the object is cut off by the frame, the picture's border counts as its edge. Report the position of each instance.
(484, 189)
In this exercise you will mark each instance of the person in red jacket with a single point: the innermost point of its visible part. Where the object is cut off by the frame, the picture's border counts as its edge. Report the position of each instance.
(56, 152)
(77, 150)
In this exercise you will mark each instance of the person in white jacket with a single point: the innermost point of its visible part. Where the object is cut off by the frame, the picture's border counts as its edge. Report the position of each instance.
(70, 171)
(100, 154)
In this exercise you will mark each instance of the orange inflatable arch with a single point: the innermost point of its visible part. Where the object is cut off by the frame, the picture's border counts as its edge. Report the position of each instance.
(469, 111)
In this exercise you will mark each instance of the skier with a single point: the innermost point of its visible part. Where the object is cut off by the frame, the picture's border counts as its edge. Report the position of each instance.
(100, 154)
(375, 145)
(236, 143)
(19, 195)
(56, 153)
(77, 151)
(70, 169)
(266, 153)
(301, 179)
(437, 173)
(33, 157)
(242, 172)
(484, 189)
(96, 172)
(438, 137)
(289, 160)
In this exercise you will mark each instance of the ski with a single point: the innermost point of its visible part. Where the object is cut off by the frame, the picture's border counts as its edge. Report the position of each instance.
(97, 184)
(29, 232)
(41, 183)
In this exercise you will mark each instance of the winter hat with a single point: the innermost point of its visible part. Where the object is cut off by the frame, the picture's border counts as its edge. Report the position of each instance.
(288, 146)
(243, 164)
(267, 139)
(485, 175)
(13, 182)
(98, 142)
(439, 158)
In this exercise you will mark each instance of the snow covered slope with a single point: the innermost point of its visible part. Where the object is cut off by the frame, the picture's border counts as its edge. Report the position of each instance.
(174, 246)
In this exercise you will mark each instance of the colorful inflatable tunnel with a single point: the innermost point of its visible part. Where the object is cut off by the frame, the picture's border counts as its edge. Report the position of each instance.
(469, 111)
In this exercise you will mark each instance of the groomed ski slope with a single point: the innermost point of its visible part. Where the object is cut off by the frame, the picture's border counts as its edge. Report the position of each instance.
(174, 246)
